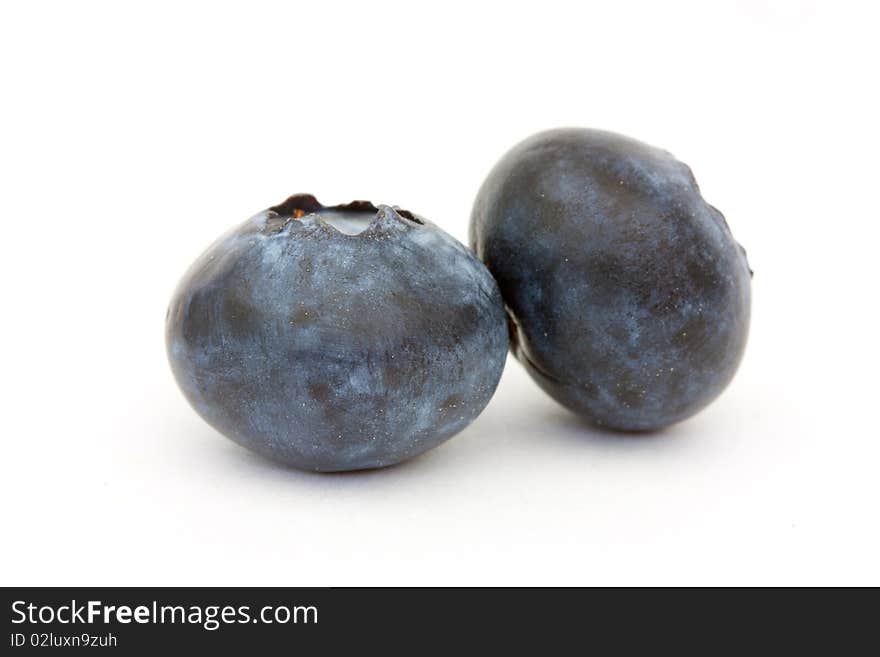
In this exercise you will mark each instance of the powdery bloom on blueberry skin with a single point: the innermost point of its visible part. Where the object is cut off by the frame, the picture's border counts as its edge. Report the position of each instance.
(628, 297)
(331, 351)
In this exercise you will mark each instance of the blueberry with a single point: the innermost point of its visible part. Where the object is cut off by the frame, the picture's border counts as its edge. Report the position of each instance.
(627, 295)
(337, 338)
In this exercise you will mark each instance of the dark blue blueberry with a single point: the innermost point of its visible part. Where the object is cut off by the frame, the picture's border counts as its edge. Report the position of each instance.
(628, 297)
(337, 338)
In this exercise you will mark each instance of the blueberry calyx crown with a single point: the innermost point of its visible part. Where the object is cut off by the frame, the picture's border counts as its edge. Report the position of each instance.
(306, 208)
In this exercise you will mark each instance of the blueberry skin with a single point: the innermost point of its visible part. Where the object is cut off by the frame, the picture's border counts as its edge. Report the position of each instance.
(628, 297)
(329, 351)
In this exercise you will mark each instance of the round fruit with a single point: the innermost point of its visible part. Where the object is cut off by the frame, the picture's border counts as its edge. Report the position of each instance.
(337, 338)
(628, 296)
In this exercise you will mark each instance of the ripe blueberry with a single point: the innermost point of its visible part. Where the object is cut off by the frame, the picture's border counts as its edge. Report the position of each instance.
(627, 294)
(337, 338)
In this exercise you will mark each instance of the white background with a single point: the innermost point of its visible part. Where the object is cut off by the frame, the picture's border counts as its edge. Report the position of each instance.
(133, 134)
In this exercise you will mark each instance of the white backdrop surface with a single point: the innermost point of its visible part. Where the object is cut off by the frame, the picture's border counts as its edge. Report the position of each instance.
(133, 134)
